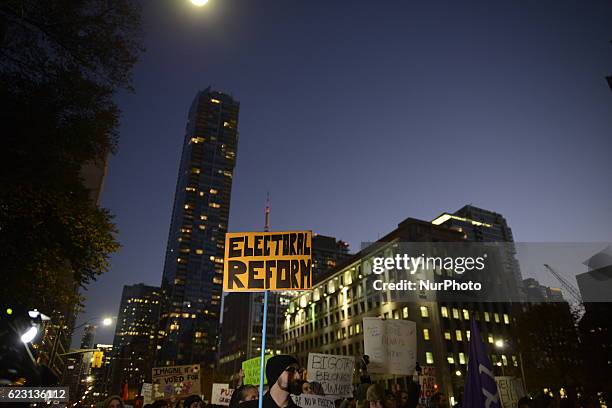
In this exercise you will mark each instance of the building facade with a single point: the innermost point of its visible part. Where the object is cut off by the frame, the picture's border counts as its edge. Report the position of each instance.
(135, 341)
(193, 268)
(329, 319)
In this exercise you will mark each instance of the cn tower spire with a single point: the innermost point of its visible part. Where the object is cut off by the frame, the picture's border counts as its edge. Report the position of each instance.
(267, 225)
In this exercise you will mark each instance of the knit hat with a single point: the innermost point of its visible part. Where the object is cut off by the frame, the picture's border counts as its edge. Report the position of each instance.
(190, 400)
(276, 365)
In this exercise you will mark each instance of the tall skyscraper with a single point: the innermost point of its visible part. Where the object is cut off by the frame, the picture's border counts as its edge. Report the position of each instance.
(135, 339)
(193, 269)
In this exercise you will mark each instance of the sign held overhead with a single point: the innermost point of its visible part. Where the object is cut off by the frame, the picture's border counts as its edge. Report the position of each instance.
(257, 261)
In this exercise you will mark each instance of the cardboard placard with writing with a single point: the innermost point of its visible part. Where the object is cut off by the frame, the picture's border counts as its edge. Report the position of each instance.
(176, 381)
(391, 345)
(258, 261)
(333, 372)
(221, 394)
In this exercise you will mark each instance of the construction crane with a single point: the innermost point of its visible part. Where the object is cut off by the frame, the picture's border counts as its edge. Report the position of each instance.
(566, 285)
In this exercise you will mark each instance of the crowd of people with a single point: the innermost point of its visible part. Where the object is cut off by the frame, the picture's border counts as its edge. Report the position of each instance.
(285, 378)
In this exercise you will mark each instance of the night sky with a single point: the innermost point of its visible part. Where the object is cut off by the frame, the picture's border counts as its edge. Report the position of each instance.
(356, 115)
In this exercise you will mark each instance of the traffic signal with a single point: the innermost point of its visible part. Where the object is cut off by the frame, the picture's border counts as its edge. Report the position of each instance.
(96, 360)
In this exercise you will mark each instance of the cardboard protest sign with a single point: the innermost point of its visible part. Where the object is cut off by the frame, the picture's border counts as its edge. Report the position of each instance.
(334, 373)
(147, 393)
(251, 370)
(391, 345)
(510, 390)
(427, 380)
(177, 381)
(257, 261)
(313, 401)
(221, 394)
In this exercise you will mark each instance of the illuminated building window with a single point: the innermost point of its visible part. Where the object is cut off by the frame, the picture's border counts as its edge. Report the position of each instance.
(504, 360)
(197, 140)
(201, 194)
(357, 328)
(396, 315)
(461, 358)
(424, 311)
(404, 311)
(213, 191)
(214, 205)
(451, 359)
(195, 170)
(187, 206)
(455, 313)
(467, 335)
(466, 314)
(426, 334)
(496, 317)
(514, 361)
(444, 311)
(213, 100)
(447, 335)
(490, 338)
(429, 357)
(190, 189)
(506, 318)
(202, 226)
(487, 317)
(458, 335)
(203, 217)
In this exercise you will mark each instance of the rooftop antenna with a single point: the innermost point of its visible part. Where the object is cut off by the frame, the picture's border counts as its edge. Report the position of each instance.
(267, 223)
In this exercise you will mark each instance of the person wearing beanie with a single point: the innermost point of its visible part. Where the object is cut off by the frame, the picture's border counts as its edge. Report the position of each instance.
(193, 401)
(283, 375)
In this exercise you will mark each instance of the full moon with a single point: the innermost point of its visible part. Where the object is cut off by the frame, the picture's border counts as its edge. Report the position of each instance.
(199, 3)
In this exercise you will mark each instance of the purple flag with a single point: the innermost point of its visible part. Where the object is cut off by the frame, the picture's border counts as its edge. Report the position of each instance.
(480, 387)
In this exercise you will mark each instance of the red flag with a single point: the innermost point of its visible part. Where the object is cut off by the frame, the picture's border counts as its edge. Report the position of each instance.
(124, 391)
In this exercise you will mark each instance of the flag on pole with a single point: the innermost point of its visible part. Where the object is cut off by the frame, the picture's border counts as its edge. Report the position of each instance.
(480, 388)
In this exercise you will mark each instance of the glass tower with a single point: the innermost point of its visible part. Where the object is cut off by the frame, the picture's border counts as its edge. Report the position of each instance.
(193, 268)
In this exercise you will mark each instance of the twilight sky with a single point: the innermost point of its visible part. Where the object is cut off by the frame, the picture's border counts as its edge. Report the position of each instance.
(356, 115)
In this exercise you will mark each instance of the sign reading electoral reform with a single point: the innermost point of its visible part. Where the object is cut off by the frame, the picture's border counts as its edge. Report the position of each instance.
(257, 261)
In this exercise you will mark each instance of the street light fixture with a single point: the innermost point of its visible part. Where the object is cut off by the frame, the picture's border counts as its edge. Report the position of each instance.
(199, 3)
(29, 335)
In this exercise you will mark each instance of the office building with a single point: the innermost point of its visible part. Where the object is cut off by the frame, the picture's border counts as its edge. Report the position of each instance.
(135, 341)
(327, 252)
(193, 268)
(480, 225)
(329, 319)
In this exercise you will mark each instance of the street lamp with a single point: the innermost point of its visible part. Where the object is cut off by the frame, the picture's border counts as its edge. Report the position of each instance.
(199, 3)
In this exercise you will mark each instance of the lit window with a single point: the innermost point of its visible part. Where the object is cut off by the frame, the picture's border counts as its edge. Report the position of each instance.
(504, 360)
(226, 124)
(187, 206)
(202, 226)
(357, 328)
(195, 170)
(203, 217)
(190, 189)
(214, 205)
(396, 315)
(466, 314)
(424, 311)
(429, 357)
(213, 191)
(197, 140)
(444, 311)
(496, 317)
(467, 335)
(458, 335)
(487, 317)
(490, 338)
(450, 359)
(506, 318)
(514, 361)
(455, 313)
(447, 335)
(426, 334)
(405, 312)
(213, 100)
(199, 251)
(461, 358)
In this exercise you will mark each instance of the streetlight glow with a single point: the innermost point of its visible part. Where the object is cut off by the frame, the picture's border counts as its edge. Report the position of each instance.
(499, 344)
(199, 3)
(29, 335)
(107, 321)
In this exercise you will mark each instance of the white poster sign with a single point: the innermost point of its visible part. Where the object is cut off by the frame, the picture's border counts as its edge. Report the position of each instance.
(391, 345)
(221, 394)
(333, 372)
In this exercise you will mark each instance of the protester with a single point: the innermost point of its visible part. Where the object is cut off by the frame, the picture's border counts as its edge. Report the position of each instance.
(390, 401)
(193, 401)
(439, 400)
(375, 396)
(525, 402)
(114, 401)
(160, 404)
(284, 378)
(242, 394)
